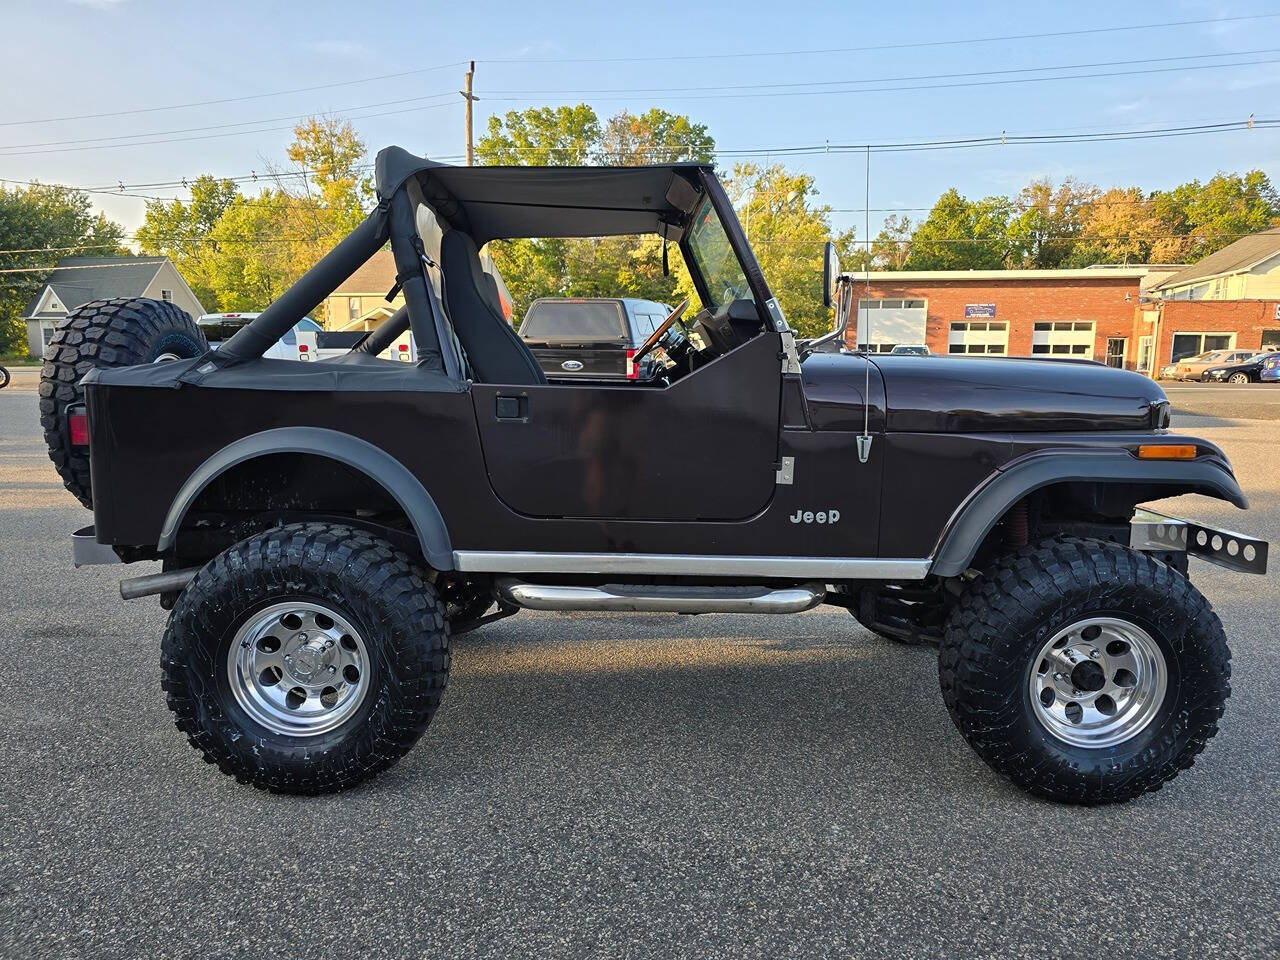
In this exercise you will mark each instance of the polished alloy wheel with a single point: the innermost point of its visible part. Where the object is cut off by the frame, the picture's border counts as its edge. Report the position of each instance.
(166, 358)
(1098, 682)
(298, 668)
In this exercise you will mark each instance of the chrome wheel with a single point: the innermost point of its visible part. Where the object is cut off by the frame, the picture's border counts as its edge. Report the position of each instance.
(298, 668)
(1098, 682)
(166, 357)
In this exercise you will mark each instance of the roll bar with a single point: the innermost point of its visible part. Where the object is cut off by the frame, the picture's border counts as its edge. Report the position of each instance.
(253, 339)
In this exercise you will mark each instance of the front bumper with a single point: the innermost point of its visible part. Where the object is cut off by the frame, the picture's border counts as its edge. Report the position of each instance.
(1156, 533)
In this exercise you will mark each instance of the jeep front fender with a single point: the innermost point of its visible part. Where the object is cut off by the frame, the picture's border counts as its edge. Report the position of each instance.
(974, 518)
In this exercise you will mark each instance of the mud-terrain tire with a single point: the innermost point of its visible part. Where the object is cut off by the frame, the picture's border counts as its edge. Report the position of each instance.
(999, 646)
(392, 628)
(120, 332)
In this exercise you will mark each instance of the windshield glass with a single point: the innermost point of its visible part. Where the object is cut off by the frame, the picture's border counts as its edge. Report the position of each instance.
(715, 259)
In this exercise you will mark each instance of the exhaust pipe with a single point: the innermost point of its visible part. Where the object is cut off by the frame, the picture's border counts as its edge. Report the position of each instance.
(171, 581)
(661, 598)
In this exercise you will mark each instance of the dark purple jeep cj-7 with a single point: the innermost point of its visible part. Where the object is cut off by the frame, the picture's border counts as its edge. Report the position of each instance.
(325, 527)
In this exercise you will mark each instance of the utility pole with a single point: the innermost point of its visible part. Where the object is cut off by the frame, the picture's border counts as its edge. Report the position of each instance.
(469, 98)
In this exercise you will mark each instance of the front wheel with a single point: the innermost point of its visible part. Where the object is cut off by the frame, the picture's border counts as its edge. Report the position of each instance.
(1238, 378)
(306, 659)
(1085, 672)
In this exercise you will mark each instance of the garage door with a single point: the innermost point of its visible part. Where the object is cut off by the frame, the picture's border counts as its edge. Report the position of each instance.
(1063, 337)
(885, 324)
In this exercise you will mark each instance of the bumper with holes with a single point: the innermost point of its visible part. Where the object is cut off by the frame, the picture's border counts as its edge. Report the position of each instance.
(1156, 533)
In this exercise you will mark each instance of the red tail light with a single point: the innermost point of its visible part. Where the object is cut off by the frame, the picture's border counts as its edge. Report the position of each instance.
(302, 348)
(632, 372)
(78, 427)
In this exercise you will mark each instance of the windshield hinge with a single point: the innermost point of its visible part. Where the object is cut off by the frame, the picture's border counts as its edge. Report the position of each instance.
(790, 357)
(786, 471)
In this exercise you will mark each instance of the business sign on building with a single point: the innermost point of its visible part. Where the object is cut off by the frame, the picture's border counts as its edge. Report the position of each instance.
(979, 310)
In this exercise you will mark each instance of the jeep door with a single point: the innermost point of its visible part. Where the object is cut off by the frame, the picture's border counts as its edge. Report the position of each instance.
(704, 448)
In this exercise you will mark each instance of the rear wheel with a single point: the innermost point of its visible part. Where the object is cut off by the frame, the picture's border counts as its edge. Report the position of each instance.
(121, 332)
(4, 378)
(1085, 672)
(306, 659)
(1238, 378)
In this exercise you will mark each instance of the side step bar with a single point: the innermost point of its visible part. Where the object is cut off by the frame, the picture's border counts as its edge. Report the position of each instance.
(661, 598)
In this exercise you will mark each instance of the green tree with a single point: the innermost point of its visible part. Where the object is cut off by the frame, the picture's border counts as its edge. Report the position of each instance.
(182, 232)
(891, 249)
(40, 225)
(960, 234)
(788, 231)
(253, 258)
(594, 266)
(541, 137)
(1197, 219)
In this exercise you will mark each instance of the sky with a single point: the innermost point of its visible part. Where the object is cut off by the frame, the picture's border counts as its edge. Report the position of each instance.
(761, 76)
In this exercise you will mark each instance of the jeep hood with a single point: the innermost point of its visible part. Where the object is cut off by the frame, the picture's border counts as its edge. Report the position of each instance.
(942, 394)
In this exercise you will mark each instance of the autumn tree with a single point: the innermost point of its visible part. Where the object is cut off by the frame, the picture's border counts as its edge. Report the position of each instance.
(541, 137)
(1048, 223)
(654, 136)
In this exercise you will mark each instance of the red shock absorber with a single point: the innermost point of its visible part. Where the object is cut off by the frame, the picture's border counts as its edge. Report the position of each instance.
(1016, 531)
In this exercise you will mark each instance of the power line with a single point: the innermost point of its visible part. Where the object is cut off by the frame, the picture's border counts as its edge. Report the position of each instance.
(524, 92)
(222, 126)
(217, 136)
(941, 86)
(240, 99)
(1093, 31)
(1003, 139)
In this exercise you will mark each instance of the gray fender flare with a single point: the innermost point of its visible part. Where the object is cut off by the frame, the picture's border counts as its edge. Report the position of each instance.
(975, 517)
(359, 454)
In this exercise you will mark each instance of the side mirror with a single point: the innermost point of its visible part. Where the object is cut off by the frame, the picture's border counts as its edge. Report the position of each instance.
(830, 270)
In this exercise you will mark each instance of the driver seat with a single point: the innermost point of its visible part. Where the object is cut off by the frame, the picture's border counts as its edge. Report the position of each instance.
(495, 352)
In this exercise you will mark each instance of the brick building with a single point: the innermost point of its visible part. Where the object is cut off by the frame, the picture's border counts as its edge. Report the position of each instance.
(1094, 312)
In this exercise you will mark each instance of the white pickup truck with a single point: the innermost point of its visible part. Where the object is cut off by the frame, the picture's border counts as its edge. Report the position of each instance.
(298, 343)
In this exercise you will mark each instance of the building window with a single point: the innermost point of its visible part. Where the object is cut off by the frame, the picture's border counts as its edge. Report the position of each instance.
(979, 336)
(1271, 339)
(46, 332)
(1117, 347)
(1144, 354)
(166, 296)
(353, 308)
(883, 324)
(1062, 338)
(1193, 344)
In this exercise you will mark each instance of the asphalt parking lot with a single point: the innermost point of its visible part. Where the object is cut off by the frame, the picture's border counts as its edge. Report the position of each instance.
(725, 786)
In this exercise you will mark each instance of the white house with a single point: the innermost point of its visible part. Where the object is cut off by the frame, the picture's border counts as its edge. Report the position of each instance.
(77, 280)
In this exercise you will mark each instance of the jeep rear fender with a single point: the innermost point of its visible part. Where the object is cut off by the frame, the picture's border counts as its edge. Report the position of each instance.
(384, 469)
(976, 517)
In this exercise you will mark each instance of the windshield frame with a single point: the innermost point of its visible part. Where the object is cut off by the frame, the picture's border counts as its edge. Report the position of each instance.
(713, 193)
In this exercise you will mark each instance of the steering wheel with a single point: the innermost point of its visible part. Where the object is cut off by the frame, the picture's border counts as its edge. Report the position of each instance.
(657, 335)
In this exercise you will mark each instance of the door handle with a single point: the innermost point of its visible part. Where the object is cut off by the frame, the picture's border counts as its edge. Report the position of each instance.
(511, 408)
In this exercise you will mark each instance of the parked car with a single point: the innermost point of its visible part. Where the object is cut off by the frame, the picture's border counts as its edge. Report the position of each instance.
(324, 530)
(1193, 368)
(220, 327)
(1246, 371)
(1270, 372)
(910, 350)
(596, 338)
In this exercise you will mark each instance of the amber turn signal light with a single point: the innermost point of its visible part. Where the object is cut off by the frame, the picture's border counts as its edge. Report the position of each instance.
(1167, 451)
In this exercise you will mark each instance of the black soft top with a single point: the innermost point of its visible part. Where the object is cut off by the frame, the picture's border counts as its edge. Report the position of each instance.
(491, 203)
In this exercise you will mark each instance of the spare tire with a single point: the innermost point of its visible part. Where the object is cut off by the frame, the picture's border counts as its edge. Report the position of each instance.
(121, 332)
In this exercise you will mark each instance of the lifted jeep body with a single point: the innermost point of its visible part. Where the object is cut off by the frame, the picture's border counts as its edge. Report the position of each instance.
(325, 526)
